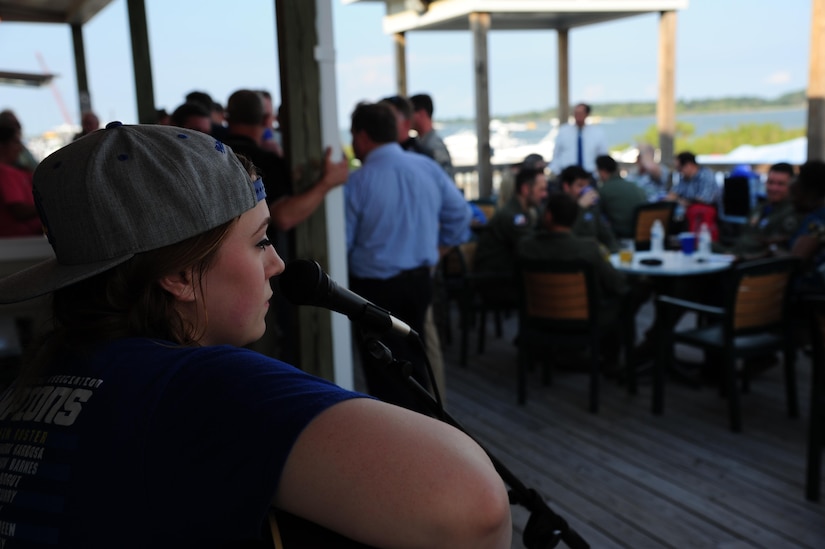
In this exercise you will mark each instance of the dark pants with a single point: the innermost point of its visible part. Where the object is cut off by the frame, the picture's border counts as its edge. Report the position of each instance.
(406, 296)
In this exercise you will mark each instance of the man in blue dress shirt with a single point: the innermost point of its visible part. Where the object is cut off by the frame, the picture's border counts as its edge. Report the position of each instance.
(402, 210)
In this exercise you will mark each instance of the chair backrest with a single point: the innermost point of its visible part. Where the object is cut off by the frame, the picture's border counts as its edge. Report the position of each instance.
(760, 292)
(697, 214)
(557, 296)
(646, 214)
(558, 291)
(486, 206)
(458, 260)
(736, 196)
(452, 264)
(488, 209)
(455, 269)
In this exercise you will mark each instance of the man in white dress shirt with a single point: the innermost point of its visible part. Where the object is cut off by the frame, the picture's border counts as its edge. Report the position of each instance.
(578, 144)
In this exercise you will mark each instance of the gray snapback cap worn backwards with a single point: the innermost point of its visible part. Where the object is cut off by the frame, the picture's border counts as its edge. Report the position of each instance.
(126, 190)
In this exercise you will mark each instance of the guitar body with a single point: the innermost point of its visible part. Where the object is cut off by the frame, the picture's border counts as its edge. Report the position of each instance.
(291, 532)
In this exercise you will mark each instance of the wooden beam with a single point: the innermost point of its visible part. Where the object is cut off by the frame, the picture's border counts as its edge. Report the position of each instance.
(563, 110)
(141, 58)
(301, 92)
(84, 98)
(480, 26)
(400, 39)
(666, 102)
(816, 83)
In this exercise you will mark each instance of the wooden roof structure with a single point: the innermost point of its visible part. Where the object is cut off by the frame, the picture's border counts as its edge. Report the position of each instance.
(440, 15)
(33, 79)
(72, 12)
(482, 16)
(562, 16)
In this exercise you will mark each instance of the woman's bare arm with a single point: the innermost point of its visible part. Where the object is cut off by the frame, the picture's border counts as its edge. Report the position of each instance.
(388, 477)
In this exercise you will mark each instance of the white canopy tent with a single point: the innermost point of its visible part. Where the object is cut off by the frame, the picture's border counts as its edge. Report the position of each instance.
(793, 152)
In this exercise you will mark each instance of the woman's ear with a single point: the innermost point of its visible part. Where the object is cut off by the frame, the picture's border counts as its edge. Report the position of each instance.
(180, 285)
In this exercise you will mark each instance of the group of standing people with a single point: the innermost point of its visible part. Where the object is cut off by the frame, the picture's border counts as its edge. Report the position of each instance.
(403, 211)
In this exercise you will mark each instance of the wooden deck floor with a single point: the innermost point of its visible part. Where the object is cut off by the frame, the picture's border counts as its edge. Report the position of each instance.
(626, 478)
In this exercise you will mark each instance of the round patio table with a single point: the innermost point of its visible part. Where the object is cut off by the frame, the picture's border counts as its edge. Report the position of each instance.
(674, 263)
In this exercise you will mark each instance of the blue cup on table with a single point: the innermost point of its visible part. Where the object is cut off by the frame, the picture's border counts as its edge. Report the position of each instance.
(688, 243)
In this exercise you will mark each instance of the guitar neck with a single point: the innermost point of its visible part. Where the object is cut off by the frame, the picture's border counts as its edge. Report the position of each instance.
(291, 532)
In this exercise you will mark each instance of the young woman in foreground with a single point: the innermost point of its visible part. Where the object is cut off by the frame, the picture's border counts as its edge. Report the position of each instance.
(142, 422)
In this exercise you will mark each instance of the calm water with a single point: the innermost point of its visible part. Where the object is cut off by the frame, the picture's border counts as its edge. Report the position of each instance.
(626, 130)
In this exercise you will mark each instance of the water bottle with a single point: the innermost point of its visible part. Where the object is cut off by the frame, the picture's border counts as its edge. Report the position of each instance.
(704, 241)
(657, 237)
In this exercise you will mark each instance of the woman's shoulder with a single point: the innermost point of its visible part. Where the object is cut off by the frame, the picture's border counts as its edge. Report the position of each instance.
(143, 357)
(222, 369)
(161, 348)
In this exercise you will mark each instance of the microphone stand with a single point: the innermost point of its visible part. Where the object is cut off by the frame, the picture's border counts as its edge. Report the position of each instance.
(544, 528)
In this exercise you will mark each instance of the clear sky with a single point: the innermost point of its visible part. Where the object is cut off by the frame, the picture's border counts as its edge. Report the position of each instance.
(724, 48)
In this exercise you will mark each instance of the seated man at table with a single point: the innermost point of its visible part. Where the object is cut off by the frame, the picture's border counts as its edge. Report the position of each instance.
(575, 182)
(650, 176)
(619, 198)
(556, 241)
(772, 224)
(696, 194)
(497, 242)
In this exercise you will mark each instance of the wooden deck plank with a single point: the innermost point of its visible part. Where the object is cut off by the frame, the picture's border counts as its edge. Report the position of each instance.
(606, 471)
(626, 478)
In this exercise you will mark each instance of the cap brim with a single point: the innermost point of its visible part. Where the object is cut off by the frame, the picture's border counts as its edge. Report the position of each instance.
(48, 276)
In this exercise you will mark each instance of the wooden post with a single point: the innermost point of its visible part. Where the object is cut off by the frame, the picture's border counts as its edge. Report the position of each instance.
(84, 98)
(401, 63)
(480, 25)
(144, 87)
(666, 103)
(563, 110)
(816, 83)
(300, 91)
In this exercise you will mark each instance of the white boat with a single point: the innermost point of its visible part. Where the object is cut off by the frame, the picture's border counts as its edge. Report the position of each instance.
(506, 148)
(46, 143)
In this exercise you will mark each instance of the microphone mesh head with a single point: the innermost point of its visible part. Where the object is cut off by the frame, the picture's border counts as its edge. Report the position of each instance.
(300, 282)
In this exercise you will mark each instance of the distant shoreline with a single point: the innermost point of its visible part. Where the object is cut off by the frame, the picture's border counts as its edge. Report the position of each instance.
(684, 107)
(704, 132)
(522, 117)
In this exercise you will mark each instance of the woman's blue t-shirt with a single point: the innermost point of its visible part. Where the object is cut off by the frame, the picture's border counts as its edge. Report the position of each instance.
(149, 444)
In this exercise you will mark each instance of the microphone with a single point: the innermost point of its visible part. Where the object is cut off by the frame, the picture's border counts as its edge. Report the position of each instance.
(303, 282)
